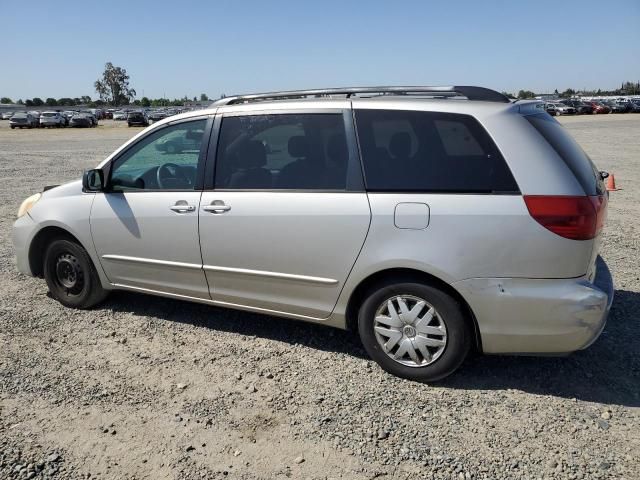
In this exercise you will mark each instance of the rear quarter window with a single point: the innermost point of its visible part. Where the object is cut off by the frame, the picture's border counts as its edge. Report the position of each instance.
(571, 153)
(417, 151)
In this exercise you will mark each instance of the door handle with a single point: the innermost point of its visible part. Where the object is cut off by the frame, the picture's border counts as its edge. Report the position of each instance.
(182, 208)
(216, 207)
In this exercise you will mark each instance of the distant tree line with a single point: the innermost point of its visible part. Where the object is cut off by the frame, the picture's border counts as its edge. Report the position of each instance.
(626, 88)
(114, 90)
(85, 100)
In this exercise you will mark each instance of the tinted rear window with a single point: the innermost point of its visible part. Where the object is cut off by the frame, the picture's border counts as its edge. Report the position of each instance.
(430, 152)
(283, 152)
(568, 149)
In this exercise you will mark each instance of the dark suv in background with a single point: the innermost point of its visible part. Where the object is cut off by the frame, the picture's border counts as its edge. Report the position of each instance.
(580, 106)
(138, 119)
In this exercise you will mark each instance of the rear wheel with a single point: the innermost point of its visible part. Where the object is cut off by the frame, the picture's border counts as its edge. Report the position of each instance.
(71, 275)
(414, 331)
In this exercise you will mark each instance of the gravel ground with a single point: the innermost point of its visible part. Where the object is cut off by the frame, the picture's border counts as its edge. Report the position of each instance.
(144, 387)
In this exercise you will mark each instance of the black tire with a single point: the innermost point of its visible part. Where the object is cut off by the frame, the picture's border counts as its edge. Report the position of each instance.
(450, 312)
(71, 275)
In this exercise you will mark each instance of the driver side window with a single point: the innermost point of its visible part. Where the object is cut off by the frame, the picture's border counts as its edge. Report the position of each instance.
(165, 160)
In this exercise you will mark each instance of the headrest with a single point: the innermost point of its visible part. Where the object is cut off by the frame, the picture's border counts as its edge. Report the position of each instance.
(337, 148)
(252, 155)
(298, 146)
(400, 145)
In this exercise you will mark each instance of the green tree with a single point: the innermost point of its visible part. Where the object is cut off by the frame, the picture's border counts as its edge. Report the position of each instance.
(52, 102)
(524, 94)
(28, 103)
(65, 101)
(568, 93)
(85, 99)
(508, 95)
(6, 100)
(113, 87)
(204, 97)
(20, 102)
(145, 102)
(37, 102)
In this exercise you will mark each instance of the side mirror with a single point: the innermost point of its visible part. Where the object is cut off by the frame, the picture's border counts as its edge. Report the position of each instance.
(93, 180)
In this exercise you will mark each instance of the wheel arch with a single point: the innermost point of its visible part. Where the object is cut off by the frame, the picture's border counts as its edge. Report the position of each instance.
(359, 294)
(39, 243)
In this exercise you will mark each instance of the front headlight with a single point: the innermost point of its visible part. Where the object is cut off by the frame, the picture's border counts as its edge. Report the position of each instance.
(28, 204)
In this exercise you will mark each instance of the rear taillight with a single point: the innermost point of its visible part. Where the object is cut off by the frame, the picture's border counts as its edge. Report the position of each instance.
(575, 218)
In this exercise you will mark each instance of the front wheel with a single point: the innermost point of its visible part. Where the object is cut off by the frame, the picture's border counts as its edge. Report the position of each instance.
(71, 276)
(414, 331)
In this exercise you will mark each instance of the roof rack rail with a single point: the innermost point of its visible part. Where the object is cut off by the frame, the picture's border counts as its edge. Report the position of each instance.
(471, 93)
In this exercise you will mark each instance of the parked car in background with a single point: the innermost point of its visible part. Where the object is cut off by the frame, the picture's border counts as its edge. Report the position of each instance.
(23, 120)
(624, 105)
(156, 116)
(550, 108)
(68, 114)
(98, 113)
(138, 119)
(52, 119)
(600, 108)
(580, 106)
(635, 106)
(563, 109)
(120, 115)
(616, 107)
(35, 114)
(91, 116)
(81, 120)
(7, 115)
(108, 114)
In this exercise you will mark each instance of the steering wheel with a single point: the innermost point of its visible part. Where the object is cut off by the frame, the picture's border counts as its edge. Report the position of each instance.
(170, 175)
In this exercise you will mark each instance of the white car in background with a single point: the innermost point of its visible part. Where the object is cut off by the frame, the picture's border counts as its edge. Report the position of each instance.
(120, 115)
(52, 119)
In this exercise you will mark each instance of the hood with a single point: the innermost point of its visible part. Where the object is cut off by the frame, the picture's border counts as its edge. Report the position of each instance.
(63, 190)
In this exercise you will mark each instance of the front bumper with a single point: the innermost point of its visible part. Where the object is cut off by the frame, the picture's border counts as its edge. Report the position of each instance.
(539, 316)
(24, 230)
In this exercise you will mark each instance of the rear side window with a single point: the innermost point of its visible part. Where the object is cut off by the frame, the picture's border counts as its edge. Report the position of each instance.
(568, 149)
(282, 152)
(430, 152)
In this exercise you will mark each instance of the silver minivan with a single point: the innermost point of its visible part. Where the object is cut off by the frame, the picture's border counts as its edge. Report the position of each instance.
(432, 220)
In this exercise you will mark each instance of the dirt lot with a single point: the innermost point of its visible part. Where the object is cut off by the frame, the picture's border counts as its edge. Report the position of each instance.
(144, 387)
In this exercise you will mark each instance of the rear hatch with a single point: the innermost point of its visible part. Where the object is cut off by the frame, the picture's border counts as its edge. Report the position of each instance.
(579, 218)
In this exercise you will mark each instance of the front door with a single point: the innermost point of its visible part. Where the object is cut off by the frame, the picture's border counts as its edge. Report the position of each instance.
(287, 215)
(145, 228)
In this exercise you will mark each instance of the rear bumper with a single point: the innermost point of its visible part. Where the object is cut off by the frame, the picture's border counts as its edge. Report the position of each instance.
(539, 316)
